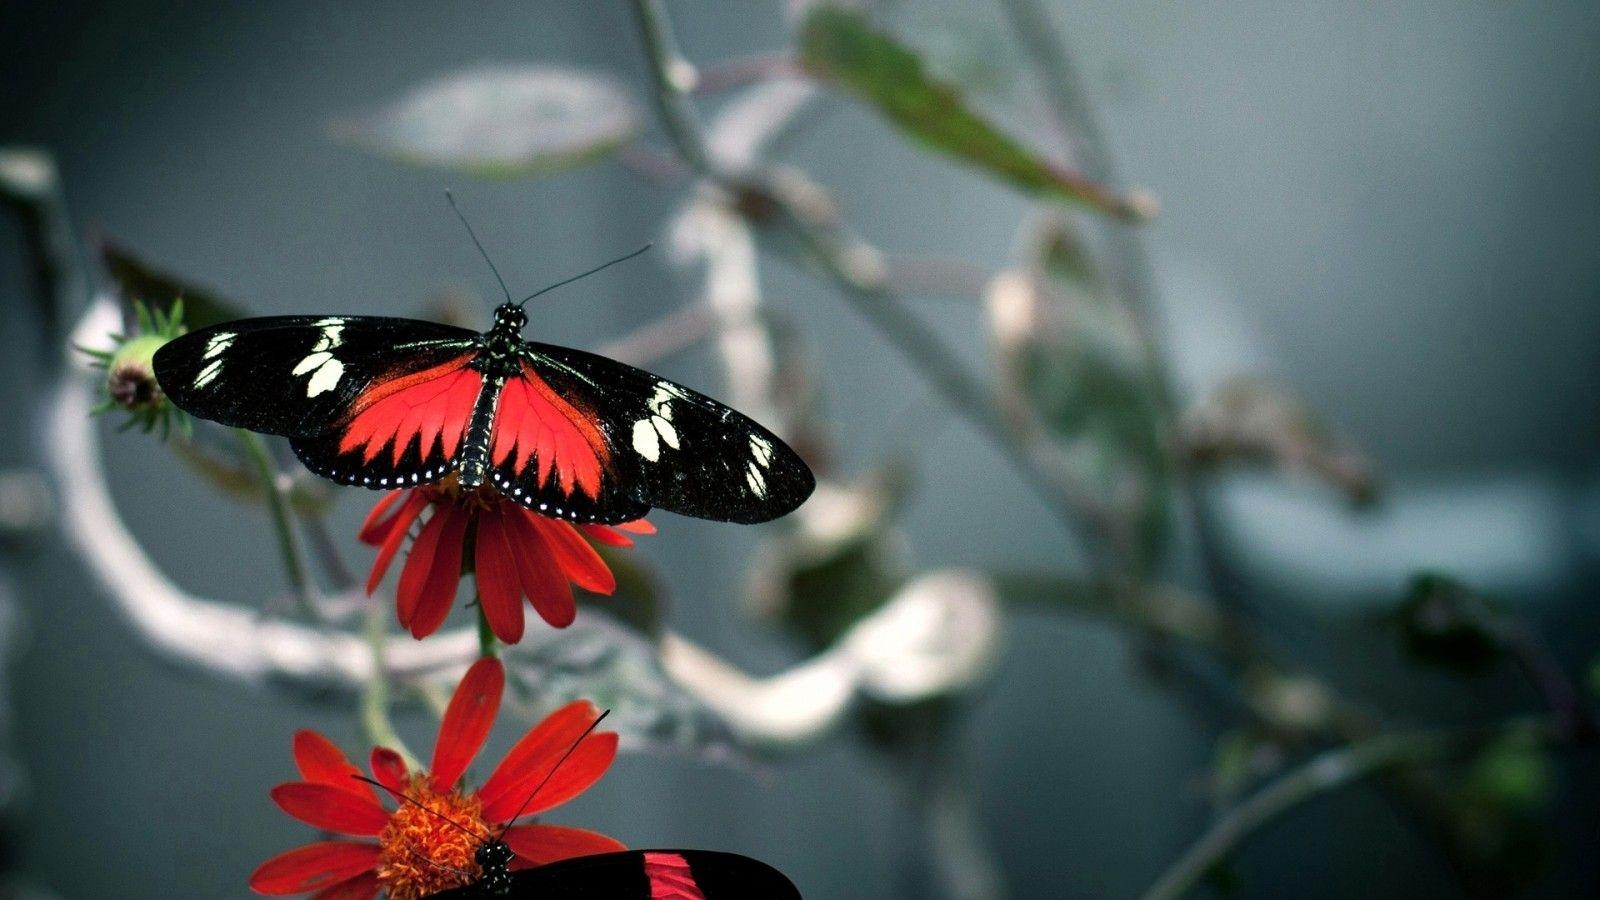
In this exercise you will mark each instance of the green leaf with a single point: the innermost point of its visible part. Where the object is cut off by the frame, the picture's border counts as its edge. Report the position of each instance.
(842, 47)
(502, 121)
(1072, 367)
(637, 602)
(163, 292)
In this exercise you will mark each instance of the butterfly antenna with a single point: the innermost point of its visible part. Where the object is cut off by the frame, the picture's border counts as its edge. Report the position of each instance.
(552, 287)
(553, 770)
(479, 244)
(404, 799)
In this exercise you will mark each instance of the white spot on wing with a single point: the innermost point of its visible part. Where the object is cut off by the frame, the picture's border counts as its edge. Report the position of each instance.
(313, 361)
(326, 372)
(218, 343)
(761, 450)
(208, 374)
(756, 480)
(644, 440)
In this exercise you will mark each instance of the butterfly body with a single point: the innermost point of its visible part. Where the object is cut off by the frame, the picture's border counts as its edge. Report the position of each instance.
(386, 403)
(628, 875)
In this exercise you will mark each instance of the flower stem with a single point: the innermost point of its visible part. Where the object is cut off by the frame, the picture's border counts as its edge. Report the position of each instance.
(486, 641)
(375, 723)
(278, 508)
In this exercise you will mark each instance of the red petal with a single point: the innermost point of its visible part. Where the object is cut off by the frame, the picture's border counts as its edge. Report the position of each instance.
(499, 585)
(467, 721)
(607, 535)
(541, 844)
(638, 526)
(400, 527)
(537, 754)
(321, 760)
(578, 560)
(425, 597)
(331, 808)
(376, 525)
(361, 887)
(542, 579)
(313, 867)
(389, 769)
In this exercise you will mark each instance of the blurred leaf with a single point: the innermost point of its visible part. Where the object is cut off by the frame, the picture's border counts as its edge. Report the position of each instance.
(620, 671)
(1446, 624)
(217, 458)
(1512, 773)
(842, 47)
(1071, 364)
(138, 280)
(842, 561)
(502, 121)
(1252, 421)
(638, 599)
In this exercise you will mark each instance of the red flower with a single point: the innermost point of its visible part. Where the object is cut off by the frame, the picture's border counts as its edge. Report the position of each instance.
(417, 852)
(516, 553)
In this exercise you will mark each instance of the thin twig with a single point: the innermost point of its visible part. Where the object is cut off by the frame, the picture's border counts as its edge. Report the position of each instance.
(274, 489)
(1328, 772)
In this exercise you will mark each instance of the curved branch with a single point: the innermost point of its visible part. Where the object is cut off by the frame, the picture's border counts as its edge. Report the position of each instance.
(1328, 772)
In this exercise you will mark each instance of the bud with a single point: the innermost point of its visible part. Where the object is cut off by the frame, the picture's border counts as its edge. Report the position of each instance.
(130, 371)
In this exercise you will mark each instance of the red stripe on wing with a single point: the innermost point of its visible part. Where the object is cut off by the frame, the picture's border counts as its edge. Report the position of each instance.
(427, 406)
(670, 877)
(534, 425)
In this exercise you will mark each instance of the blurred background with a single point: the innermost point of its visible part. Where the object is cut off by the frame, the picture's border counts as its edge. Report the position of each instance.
(1390, 212)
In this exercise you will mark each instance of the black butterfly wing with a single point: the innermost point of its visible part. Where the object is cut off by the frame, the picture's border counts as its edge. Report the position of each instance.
(297, 375)
(647, 874)
(654, 443)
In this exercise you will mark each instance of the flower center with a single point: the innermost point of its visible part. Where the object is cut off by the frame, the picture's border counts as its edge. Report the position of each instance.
(421, 852)
(448, 490)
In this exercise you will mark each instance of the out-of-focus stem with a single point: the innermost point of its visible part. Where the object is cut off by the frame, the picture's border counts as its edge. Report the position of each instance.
(672, 77)
(849, 266)
(375, 723)
(486, 639)
(278, 508)
(1328, 772)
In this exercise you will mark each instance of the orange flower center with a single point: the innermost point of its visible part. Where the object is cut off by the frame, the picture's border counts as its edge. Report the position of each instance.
(448, 490)
(422, 853)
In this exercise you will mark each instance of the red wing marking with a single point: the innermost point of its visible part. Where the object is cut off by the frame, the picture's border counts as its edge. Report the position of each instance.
(670, 877)
(534, 425)
(432, 405)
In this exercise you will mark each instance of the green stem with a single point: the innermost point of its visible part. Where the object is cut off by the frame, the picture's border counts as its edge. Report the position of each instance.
(375, 723)
(278, 508)
(487, 645)
(1328, 772)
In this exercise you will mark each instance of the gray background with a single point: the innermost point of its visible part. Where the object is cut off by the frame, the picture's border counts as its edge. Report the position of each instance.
(1392, 207)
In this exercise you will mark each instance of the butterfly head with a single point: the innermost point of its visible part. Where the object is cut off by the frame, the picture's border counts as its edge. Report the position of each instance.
(509, 319)
(494, 854)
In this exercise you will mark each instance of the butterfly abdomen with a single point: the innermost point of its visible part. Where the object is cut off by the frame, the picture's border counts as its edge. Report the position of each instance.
(474, 467)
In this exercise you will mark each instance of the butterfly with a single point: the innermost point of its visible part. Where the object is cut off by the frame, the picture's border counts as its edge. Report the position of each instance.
(629, 875)
(387, 403)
